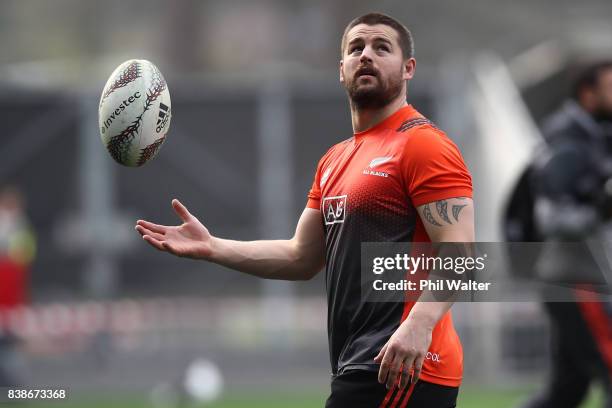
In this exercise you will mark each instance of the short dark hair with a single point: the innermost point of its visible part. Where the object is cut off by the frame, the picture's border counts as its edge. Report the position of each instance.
(404, 36)
(588, 75)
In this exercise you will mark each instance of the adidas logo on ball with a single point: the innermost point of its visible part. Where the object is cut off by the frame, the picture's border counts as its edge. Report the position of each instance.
(162, 117)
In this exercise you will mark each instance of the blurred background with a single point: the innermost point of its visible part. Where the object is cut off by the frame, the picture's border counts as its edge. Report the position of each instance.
(256, 102)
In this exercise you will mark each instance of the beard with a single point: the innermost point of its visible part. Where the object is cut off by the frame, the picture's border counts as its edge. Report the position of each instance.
(377, 95)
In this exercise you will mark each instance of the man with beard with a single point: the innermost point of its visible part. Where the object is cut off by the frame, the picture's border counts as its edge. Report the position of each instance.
(572, 190)
(397, 179)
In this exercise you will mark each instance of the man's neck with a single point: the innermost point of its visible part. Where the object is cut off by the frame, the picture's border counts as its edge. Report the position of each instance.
(364, 119)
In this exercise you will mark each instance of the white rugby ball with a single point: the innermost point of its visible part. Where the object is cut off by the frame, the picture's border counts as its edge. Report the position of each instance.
(134, 113)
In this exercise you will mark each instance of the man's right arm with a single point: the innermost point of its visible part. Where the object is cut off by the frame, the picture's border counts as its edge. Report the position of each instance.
(298, 258)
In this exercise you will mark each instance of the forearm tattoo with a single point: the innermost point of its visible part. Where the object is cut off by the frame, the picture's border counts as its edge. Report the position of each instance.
(443, 212)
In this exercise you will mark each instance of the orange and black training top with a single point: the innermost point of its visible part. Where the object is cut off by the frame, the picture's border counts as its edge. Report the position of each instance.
(367, 189)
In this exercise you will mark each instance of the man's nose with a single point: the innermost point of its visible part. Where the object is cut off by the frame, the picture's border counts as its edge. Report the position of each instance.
(366, 55)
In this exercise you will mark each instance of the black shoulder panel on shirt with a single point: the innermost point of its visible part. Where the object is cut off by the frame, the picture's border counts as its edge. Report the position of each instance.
(410, 123)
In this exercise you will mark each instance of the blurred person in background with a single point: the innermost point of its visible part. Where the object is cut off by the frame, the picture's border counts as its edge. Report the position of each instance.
(398, 179)
(568, 189)
(17, 249)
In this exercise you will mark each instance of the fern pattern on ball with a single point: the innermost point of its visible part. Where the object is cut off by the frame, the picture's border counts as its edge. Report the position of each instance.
(119, 146)
(129, 74)
(158, 85)
(150, 151)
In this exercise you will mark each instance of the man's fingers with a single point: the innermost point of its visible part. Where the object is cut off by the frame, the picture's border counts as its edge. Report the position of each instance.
(181, 210)
(385, 365)
(154, 242)
(381, 353)
(143, 231)
(418, 367)
(394, 372)
(405, 374)
(160, 229)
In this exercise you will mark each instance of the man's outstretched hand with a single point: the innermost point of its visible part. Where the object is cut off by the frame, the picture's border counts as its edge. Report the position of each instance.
(190, 240)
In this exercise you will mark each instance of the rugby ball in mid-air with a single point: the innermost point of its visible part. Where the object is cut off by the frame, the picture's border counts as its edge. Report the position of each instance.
(134, 113)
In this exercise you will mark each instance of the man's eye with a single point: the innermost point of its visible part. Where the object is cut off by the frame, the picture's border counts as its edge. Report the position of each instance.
(354, 49)
(383, 47)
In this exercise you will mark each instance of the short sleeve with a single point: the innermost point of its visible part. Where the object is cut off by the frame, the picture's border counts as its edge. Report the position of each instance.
(433, 168)
(314, 195)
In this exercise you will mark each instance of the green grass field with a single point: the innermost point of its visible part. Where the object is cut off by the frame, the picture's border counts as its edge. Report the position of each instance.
(469, 398)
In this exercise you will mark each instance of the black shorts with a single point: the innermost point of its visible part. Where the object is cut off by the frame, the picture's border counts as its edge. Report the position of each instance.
(361, 389)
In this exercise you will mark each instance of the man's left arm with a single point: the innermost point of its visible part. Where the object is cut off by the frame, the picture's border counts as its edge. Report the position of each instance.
(448, 220)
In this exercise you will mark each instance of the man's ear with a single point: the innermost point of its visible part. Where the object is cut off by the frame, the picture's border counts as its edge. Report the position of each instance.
(409, 68)
(341, 73)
